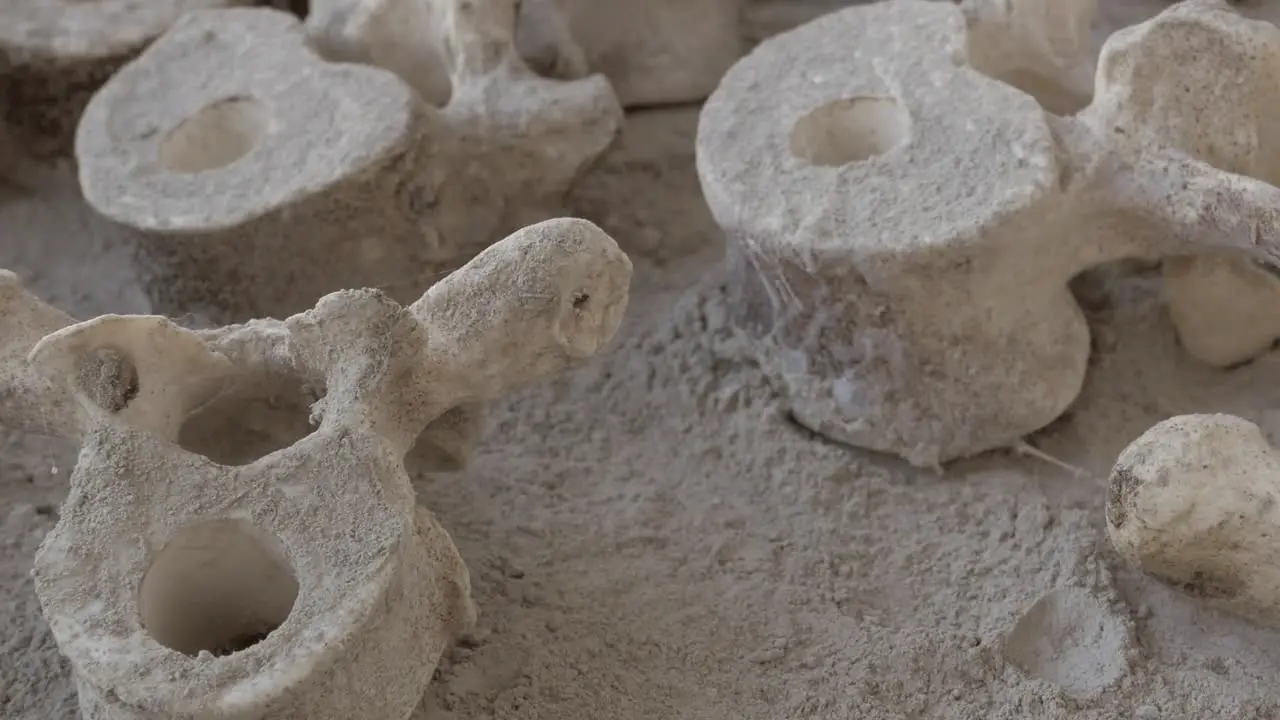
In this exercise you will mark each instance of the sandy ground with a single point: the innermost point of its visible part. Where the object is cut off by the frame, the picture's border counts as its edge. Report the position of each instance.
(652, 538)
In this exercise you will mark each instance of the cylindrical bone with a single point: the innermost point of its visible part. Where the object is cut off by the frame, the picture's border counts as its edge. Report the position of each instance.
(55, 53)
(883, 233)
(900, 248)
(261, 176)
(264, 177)
(1195, 503)
(1160, 85)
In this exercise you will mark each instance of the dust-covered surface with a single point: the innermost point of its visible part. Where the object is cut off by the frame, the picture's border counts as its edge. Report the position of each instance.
(652, 538)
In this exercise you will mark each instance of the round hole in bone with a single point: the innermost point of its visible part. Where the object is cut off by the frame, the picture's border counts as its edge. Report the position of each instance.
(850, 130)
(247, 424)
(220, 586)
(215, 136)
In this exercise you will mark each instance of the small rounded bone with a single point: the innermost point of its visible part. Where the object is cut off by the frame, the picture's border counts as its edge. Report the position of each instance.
(1195, 503)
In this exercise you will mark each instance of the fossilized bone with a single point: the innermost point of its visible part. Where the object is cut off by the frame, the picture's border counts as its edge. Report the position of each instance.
(653, 51)
(902, 227)
(303, 581)
(1225, 308)
(263, 177)
(55, 55)
(1195, 503)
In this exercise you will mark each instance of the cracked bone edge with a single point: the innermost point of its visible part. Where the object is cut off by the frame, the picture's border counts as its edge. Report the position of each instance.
(1047, 44)
(1195, 503)
(1159, 87)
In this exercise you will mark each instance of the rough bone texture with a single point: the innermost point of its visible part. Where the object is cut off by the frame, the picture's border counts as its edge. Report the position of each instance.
(209, 564)
(54, 54)
(652, 52)
(1195, 503)
(1226, 309)
(902, 248)
(262, 176)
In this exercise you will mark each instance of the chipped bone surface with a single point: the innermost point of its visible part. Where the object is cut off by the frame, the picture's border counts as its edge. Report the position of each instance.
(1195, 503)
(55, 53)
(249, 162)
(892, 212)
(302, 580)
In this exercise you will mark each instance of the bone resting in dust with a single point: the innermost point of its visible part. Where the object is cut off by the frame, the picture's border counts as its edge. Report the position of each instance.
(879, 248)
(192, 552)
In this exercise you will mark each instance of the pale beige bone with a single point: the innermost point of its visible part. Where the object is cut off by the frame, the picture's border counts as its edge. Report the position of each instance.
(262, 176)
(654, 52)
(55, 53)
(1195, 503)
(1161, 84)
(901, 249)
(165, 561)
(1044, 47)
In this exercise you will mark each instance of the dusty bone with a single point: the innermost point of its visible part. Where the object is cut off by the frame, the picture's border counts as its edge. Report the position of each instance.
(892, 301)
(654, 52)
(305, 582)
(563, 282)
(55, 54)
(1043, 46)
(1194, 503)
(662, 52)
(1160, 84)
(263, 177)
